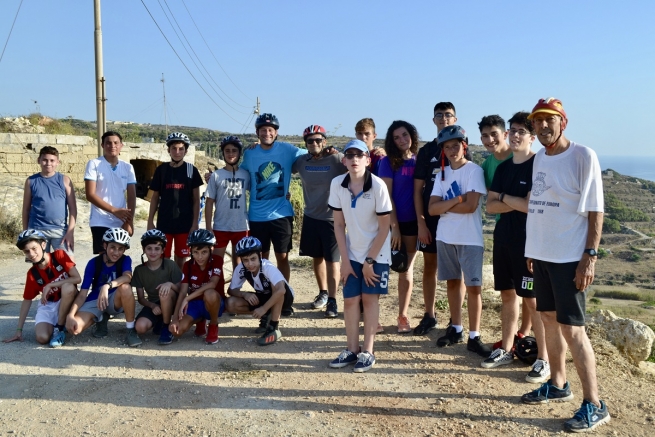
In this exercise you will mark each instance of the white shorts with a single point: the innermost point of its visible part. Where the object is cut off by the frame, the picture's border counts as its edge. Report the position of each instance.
(48, 313)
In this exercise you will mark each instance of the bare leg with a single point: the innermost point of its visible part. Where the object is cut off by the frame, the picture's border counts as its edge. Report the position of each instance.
(142, 325)
(43, 332)
(68, 295)
(283, 264)
(167, 305)
(556, 346)
(453, 289)
(351, 320)
(537, 326)
(186, 323)
(526, 317)
(371, 317)
(332, 278)
(320, 272)
(474, 307)
(429, 282)
(509, 315)
(584, 360)
(84, 320)
(406, 280)
(212, 303)
(125, 299)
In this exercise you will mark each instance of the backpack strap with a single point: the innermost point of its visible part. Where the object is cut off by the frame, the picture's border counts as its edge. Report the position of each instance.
(98, 269)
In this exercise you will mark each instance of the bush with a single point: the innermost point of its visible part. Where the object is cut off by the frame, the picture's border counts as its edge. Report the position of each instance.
(10, 226)
(611, 226)
(298, 203)
(635, 257)
(602, 253)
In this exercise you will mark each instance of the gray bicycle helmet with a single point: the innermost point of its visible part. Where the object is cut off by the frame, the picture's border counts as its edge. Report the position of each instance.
(267, 119)
(231, 139)
(201, 237)
(248, 245)
(29, 235)
(450, 133)
(178, 137)
(153, 236)
(118, 236)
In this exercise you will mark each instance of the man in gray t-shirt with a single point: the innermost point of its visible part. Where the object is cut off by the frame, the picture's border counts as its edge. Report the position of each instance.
(317, 239)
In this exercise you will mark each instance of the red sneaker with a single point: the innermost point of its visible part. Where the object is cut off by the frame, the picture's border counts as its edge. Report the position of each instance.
(212, 335)
(201, 328)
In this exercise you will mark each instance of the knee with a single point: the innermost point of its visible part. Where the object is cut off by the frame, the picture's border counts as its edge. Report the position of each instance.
(42, 338)
(142, 325)
(125, 291)
(68, 290)
(211, 297)
(508, 296)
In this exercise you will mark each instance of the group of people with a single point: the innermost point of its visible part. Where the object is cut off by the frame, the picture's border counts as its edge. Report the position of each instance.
(366, 210)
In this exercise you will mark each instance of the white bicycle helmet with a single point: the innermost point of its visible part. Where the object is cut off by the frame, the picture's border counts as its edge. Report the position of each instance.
(29, 235)
(118, 236)
(153, 236)
(248, 245)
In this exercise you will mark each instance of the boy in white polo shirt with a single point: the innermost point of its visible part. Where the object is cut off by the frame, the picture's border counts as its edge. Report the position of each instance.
(361, 203)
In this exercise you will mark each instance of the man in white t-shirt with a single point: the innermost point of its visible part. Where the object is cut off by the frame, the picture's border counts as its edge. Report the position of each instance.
(565, 218)
(106, 180)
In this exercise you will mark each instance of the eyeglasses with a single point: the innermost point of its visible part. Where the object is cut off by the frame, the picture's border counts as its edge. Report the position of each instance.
(314, 141)
(355, 155)
(441, 115)
(519, 132)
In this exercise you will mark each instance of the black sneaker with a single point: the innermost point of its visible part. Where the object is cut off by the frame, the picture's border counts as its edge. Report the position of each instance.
(263, 324)
(451, 337)
(588, 417)
(288, 312)
(476, 345)
(331, 308)
(548, 392)
(426, 325)
(101, 327)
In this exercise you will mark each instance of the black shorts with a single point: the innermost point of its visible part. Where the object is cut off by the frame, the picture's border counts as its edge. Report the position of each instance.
(317, 239)
(555, 289)
(264, 297)
(511, 270)
(431, 222)
(408, 229)
(146, 312)
(97, 232)
(279, 231)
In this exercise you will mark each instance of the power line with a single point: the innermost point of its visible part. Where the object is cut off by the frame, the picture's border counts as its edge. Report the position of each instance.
(185, 66)
(12, 28)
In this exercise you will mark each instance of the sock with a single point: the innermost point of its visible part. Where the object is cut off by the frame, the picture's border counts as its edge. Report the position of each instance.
(473, 334)
(273, 324)
(164, 327)
(129, 325)
(322, 292)
(458, 328)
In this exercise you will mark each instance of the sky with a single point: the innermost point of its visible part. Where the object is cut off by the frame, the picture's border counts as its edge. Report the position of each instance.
(333, 63)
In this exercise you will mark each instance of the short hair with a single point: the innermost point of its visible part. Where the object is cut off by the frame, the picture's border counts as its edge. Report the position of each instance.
(365, 123)
(492, 121)
(521, 118)
(111, 133)
(395, 157)
(48, 150)
(444, 106)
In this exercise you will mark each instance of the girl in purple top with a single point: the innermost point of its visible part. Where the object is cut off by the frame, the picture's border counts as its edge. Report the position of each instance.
(397, 171)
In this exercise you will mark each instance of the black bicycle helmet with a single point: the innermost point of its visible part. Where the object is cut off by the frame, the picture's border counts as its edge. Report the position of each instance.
(399, 262)
(201, 237)
(248, 245)
(178, 137)
(267, 119)
(153, 236)
(29, 235)
(231, 139)
(526, 350)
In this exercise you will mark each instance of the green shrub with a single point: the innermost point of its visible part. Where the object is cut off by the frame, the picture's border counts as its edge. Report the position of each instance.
(635, 257)
(602, 253)
(595, 301)
(298, 203)
(618, 294)
(10, 226)
(441, 304)
(611, 226)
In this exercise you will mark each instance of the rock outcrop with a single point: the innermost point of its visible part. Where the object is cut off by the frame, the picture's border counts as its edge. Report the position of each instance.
(633, 338)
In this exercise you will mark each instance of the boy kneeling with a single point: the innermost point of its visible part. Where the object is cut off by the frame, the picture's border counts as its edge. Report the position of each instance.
(272, 291)
(108, 278)
(201, 290)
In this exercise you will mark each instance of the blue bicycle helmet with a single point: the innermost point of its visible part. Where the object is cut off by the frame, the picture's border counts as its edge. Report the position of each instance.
(29, 235)
(450, 133)
(248, 245)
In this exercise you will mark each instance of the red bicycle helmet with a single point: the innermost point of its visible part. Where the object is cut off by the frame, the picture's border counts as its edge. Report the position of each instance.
(314, 129)
(551, 105)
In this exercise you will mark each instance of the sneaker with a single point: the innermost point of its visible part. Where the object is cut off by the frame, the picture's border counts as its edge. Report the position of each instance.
(426, 325)
(380, 329)
(548, 392)
(331, 309)
(517, 337)
(101, 327)
(540, 372)
(270, 336)
(451, 337)
(499, 357)
(320, 301)
(212, 334)
(345, 358)
(165, 337)
(588, 417)
(58, 338)
(365, 361)
(403, 325)
(288, 312)
(476, 345)
(201, 328)
(132, 338)
(263, 324)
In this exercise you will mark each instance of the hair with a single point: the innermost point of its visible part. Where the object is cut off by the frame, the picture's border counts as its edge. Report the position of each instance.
(444, 106)
(492, 121)
(111, 133)
(365, 123)
(521, 117)
(48, 150)
(393, 153)
(172, 143)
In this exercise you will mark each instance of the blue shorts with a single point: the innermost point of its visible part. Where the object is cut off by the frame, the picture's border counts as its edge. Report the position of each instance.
(197, 310)
(356, 286)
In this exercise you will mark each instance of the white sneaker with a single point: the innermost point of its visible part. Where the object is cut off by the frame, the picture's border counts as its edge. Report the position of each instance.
(498, 358)
(540, 372)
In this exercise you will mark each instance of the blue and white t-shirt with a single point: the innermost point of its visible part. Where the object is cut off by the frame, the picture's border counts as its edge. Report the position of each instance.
(106, 273)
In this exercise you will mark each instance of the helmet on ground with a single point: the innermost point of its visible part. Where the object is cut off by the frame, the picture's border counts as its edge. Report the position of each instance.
(153, 236)
(450, 133)
(118, 236)
(201, 237)
(267, 119)
(526, 350)
(314, 129)
(231, 139)
(29, 235)
(551, 105)
(178, 137)
(399, 262)
(248, 245)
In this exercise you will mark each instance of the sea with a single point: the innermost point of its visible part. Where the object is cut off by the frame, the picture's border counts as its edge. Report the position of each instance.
(642, 167)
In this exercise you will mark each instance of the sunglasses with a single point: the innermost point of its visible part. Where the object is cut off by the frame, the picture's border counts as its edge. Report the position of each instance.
(355, 155)
(314, 141)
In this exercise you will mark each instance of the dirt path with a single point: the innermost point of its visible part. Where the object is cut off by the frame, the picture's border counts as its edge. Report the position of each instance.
(102, 387)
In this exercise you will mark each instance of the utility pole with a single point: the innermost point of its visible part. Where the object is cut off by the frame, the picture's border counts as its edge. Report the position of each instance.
(256, 111)
(101, 120)
(165, 113)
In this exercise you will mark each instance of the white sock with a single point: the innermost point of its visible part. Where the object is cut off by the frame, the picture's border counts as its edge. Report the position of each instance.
(458, 328)
(129, 325)
(473, 334)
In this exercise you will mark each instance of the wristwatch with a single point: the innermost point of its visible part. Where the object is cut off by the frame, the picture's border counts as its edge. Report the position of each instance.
(369, 260)
(591, 252)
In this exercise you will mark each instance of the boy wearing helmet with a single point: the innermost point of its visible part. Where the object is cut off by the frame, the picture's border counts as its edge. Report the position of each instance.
(53, 275)
(202, 294)
(160, 278)
(107, 182)
(175, 190)
(106, 290)
(272, 291)
(317, 239)
(456, 197)
(270, 212)
(227, 189)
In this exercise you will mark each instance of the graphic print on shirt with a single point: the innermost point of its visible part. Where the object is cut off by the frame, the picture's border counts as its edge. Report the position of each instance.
(233, 190)
(270, 181)
(453, 191)
(539, 186)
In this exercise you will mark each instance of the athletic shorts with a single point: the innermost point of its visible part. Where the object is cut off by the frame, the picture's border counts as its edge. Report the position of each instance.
(197, 310)
(279, 231)
(91, 306)
(48, 313)
(431, 222)
(511, 270)
(156, 320)
(356, 286)
(265, 297)
(455, 259)
(97, 232)
(317, 239)
(408, 229)
(54, 239)
(225, 237)
(181, 249)
(554, 287)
